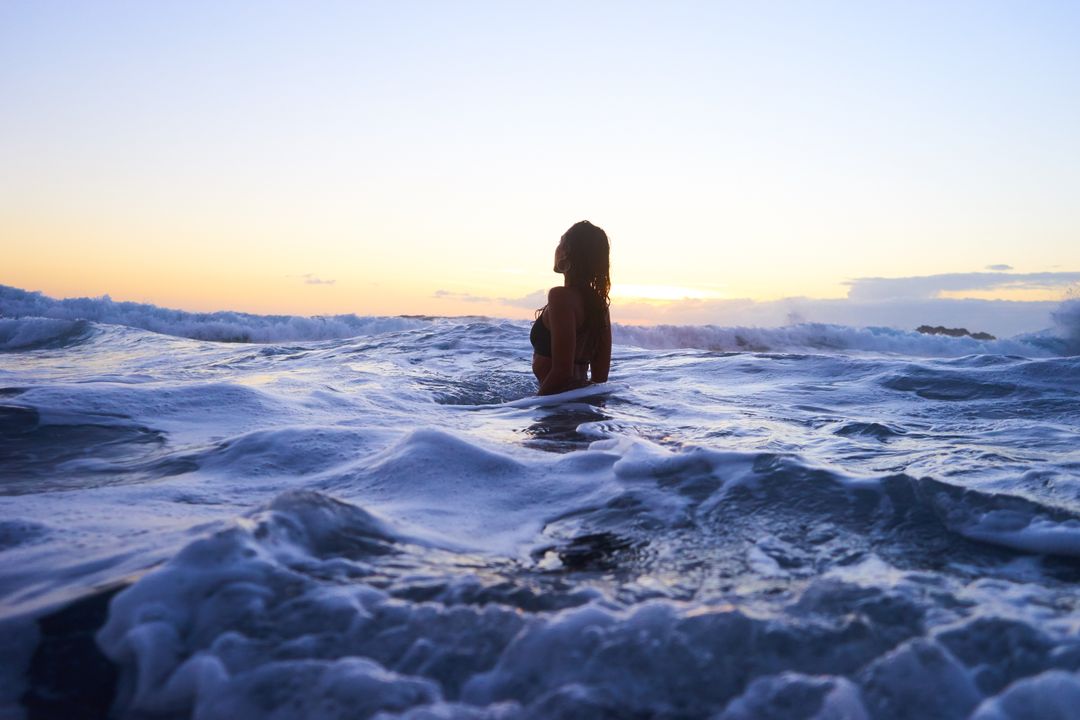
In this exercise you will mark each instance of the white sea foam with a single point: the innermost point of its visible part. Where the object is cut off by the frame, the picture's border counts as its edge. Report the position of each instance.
(828, 524)
(820, 337)
(35, 332)
(221, 326)
(1067, 319)
(1053, 695)
(37, 310)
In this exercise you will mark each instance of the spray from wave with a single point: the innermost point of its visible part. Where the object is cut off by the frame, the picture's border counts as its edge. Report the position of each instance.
(829, 338)
(824, 337)
(32, 320)
(39, 333)
(1067, 320)
(219, 326)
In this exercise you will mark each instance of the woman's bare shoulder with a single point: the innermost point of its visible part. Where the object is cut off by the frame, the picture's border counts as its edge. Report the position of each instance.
(561, 295)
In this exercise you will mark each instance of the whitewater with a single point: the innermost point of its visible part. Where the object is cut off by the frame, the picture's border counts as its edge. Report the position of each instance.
(237, 516)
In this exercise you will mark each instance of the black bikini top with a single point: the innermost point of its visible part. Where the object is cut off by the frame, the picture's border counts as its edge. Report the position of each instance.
(540, 337)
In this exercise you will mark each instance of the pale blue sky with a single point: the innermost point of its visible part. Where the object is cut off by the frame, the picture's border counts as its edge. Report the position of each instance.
(202, 153)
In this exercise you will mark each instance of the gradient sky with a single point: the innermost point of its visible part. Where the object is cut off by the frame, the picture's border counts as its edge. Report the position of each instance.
(424, 157)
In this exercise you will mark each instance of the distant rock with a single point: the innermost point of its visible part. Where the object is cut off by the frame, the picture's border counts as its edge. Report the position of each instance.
(953, 332)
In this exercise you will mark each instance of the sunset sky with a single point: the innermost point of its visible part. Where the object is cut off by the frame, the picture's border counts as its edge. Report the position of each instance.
(425, 157)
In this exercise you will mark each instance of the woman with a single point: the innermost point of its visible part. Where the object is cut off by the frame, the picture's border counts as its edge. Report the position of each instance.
(572, 333)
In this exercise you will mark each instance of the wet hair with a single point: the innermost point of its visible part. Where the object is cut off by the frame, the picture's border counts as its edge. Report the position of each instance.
(588, 268)
(587, 255)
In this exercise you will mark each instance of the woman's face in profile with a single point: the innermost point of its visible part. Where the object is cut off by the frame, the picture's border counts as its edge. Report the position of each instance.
(560, 256)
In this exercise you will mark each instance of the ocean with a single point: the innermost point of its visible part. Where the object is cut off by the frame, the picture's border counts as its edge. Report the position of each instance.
(238, 516)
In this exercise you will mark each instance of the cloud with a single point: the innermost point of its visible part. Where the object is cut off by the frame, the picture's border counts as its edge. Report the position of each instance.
(931, 286)
(999, 268)
(889, 302)
(904, 303)
(310, 279)
(465, 297)
(1003, 318)
(532, 301)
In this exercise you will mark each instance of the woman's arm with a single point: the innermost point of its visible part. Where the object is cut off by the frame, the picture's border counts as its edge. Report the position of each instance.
(563, 326)
(601, 361)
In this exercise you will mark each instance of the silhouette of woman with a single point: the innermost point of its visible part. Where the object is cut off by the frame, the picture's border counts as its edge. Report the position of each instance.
(571, 336)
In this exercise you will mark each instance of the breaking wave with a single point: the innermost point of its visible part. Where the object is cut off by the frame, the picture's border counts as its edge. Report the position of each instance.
(222, 326)
(1067, 319)
(823, 337)
(35, 320)
(38, 333)
(813, 521)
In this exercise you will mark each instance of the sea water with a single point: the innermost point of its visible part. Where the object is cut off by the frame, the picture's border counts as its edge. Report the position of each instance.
(374, 517)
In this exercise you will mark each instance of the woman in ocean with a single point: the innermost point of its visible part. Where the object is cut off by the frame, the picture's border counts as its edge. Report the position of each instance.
(571, 336)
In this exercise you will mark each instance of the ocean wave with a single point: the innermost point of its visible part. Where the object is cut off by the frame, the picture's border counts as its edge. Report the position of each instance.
(823, 337)
(38, 333)
(821, 520)
(289, 611)
(715, 483)
(1067, 319)
(226, 326)
(44, 315)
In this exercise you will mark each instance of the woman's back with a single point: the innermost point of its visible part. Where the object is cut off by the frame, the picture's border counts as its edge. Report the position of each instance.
(588, 341)
(571, 335)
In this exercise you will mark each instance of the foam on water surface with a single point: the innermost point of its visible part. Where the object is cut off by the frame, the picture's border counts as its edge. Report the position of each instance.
(809, 522)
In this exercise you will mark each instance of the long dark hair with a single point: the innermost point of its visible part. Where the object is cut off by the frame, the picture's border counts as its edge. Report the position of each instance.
(588, 268)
